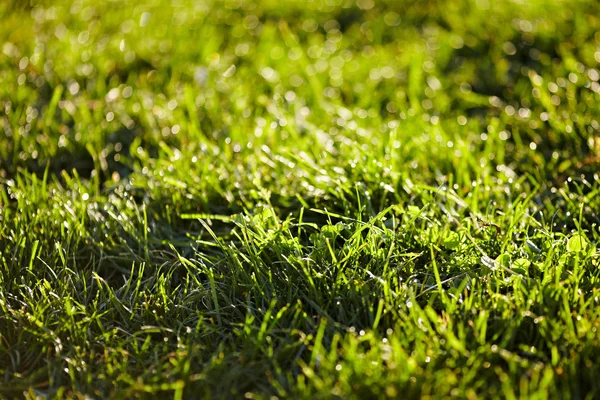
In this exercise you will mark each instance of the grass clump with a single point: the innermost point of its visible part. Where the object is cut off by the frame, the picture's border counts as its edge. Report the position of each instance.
(279, 199)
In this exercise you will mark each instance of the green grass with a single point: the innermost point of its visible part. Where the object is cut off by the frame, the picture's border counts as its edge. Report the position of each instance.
(326, 199)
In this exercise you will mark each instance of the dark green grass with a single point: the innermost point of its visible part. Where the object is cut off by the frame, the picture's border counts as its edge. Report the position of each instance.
(300, 199)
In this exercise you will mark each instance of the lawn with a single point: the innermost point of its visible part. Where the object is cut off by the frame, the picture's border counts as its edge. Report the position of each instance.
(300, 199)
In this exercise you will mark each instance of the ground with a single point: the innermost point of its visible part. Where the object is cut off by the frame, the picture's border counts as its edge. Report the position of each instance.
(326, 199)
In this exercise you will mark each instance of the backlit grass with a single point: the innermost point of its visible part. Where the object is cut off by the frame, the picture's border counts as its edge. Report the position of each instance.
(320, 199)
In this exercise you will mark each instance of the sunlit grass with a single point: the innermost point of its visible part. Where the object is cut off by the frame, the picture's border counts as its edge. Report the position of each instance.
(300, 199)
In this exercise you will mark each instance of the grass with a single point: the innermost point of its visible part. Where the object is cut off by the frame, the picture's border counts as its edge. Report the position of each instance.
(328, 199)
